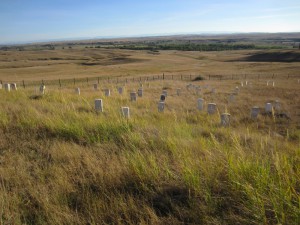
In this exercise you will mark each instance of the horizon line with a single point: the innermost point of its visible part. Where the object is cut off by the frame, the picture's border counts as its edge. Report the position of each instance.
(214, 33)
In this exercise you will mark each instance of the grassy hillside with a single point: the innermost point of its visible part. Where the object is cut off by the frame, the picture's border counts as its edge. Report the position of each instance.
(63, 163)
(79, 62)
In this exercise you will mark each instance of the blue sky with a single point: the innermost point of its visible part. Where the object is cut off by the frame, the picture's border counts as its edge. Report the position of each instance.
(37, 20)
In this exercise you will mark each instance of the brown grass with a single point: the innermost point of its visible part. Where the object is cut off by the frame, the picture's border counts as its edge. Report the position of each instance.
(63, 163)
(81, 63)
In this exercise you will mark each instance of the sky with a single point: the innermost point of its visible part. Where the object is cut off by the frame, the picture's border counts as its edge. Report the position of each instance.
(24, 21)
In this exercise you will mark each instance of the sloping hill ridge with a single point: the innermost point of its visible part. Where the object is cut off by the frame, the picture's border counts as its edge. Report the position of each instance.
(274, 57)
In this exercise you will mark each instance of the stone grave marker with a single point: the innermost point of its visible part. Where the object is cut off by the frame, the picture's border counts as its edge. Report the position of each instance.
(125, 112)
(42, 89)
(120, 90)
(200, 103)
(77, 91)
(277, 105)
(268, 107)
(107, 92)
(211, 108)
(254, 112)
(225, 119)
(13, 86)
(98, 105)
(133, 96)
(7, 86)
(237, 90)
(140, 92)
(161, 106)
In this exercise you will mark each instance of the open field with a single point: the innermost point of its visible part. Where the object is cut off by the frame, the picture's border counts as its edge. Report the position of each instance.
(105, 58)
(61, 162)
(81, 63)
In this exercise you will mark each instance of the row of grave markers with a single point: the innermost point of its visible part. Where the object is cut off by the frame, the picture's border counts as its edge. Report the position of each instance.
(211, 107)
(13, 86)
(269, 83)
(8, 87)
(155, 77)
(225, 117)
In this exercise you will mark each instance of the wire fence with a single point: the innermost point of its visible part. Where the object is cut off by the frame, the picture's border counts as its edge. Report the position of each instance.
(79, 82)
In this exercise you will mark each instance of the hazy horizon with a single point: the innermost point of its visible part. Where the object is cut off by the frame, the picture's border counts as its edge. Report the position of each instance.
(58, 20)
(216, 33)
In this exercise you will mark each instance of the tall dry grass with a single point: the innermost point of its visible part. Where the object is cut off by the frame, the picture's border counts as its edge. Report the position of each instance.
(63, 163)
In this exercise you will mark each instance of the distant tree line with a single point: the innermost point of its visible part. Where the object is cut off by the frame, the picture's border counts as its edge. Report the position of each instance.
(195, 47)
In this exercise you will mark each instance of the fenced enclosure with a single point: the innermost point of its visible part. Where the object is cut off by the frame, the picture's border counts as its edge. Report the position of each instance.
(86, 81)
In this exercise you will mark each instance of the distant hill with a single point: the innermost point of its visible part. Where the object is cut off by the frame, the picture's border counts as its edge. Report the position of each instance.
(274, 57)
(230, 38)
